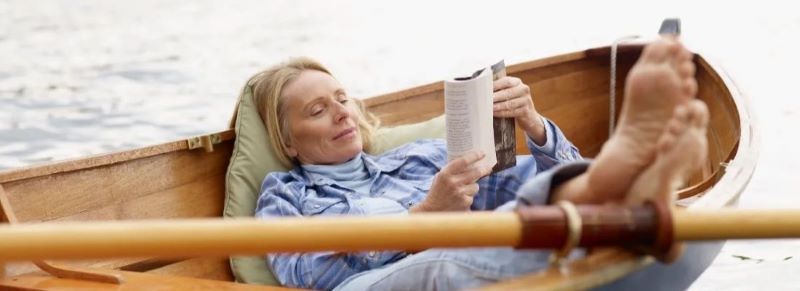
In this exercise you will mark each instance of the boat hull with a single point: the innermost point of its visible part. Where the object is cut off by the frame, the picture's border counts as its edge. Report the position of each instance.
(173, 180)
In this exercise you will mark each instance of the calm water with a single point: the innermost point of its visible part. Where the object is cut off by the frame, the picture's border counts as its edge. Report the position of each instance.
(87, 77)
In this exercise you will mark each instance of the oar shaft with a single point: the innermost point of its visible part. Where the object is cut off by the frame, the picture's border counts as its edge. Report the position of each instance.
(249, 236)
(736, 224)
(535, 227)
(529, 227)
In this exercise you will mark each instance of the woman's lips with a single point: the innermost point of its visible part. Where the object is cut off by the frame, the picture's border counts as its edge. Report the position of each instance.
(345, 133)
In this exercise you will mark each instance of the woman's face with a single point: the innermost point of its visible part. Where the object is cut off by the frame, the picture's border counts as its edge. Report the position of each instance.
(322, 120)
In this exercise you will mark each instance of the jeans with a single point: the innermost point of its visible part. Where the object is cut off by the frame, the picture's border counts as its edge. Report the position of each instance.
(453, 269)
(447, 269)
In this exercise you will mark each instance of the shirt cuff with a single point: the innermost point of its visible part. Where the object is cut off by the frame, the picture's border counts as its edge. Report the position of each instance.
(549, 146)
(538, 190)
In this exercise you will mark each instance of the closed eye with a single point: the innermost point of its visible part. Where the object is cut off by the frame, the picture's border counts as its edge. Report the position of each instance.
(342, 97)
(316, 110)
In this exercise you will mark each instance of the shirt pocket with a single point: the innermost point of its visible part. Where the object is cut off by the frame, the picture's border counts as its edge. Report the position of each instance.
(423, 185)
(324, 206)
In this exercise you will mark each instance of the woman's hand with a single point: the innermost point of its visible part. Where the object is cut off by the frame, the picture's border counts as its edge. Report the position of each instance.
(512, 98)
(455, 185)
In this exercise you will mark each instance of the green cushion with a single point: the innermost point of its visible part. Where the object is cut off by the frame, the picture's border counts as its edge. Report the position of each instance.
(252, 159)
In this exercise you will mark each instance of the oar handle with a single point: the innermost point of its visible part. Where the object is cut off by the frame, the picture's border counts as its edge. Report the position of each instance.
(647, 227)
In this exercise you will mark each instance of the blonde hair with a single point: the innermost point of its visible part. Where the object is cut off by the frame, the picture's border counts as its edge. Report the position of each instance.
(267, 88)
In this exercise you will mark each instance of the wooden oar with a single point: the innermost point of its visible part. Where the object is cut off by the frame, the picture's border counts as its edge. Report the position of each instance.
(541, 227)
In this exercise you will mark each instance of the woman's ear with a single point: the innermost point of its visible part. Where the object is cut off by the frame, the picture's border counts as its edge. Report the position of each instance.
(291, 151)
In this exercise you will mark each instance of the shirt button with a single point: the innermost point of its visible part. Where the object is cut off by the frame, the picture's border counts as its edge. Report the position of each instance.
(316, 206)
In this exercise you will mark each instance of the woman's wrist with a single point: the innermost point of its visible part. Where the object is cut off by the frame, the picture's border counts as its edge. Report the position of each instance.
(534, 127)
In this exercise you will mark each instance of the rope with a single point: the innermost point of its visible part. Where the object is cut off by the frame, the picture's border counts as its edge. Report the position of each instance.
(612, 108)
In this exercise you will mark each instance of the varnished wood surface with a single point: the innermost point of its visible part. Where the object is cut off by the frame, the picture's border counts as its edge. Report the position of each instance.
(170, 181)
(133, 281)
(100, 160)
(205, 268)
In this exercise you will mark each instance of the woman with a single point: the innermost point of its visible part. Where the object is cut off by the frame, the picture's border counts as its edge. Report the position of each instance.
(323, 134)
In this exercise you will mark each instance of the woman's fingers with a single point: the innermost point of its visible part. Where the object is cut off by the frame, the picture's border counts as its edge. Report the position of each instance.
(463, 162)
(472, 174)
(513, 99)
(456, 184)
(517, 91)
(511, 104)
(505, 82)
(468, 190)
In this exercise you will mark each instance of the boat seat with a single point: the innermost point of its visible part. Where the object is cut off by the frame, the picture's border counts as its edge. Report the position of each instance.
(252, 159)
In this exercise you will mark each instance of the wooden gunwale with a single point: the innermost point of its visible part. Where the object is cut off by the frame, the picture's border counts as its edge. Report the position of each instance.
(101, 160)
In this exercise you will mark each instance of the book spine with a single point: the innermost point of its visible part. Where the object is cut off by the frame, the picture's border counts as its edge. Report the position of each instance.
(505, 143)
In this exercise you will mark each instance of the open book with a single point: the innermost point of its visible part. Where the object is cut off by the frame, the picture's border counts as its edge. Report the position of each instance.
(470, 123)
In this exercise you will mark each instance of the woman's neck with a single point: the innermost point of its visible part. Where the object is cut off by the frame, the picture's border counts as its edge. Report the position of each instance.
(349, 171)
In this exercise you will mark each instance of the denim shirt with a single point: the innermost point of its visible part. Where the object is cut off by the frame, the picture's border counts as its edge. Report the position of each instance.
(401, 179)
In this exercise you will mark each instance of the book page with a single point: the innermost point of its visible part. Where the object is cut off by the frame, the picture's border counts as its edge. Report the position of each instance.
(468, 116)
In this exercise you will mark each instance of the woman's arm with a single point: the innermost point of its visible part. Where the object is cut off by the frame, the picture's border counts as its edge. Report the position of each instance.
(557, 150)
(512, 99)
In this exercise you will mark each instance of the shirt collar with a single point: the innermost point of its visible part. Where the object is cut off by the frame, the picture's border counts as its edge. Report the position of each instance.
(375, 165)
(381, 163)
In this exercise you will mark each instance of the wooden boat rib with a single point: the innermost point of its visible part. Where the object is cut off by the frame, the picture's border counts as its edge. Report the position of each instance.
(171, 180)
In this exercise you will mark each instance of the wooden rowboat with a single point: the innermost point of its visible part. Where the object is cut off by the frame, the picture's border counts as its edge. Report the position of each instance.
(170, 180)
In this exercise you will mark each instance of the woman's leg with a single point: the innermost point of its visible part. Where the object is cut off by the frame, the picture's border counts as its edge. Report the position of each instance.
(449, 269)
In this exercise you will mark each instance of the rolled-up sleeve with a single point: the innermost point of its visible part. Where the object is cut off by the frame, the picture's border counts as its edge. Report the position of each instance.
(556, 150)
(538, 190)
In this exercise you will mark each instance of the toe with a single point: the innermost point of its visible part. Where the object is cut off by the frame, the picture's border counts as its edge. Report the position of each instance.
(699, 114)
(676, 126)
(685, 54)
(659, 51)
(681, 118)
(680, 113)
(689, 87)
(686, 69)
(665, 143)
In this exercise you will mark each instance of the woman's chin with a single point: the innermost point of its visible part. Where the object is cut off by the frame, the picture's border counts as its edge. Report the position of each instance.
(352, 153)
(342, 155)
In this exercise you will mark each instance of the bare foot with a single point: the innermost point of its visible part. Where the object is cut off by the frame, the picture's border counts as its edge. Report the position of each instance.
(662, 79)
(681, 150)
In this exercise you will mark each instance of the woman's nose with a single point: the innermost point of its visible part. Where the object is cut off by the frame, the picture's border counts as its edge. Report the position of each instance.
(341, 112)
